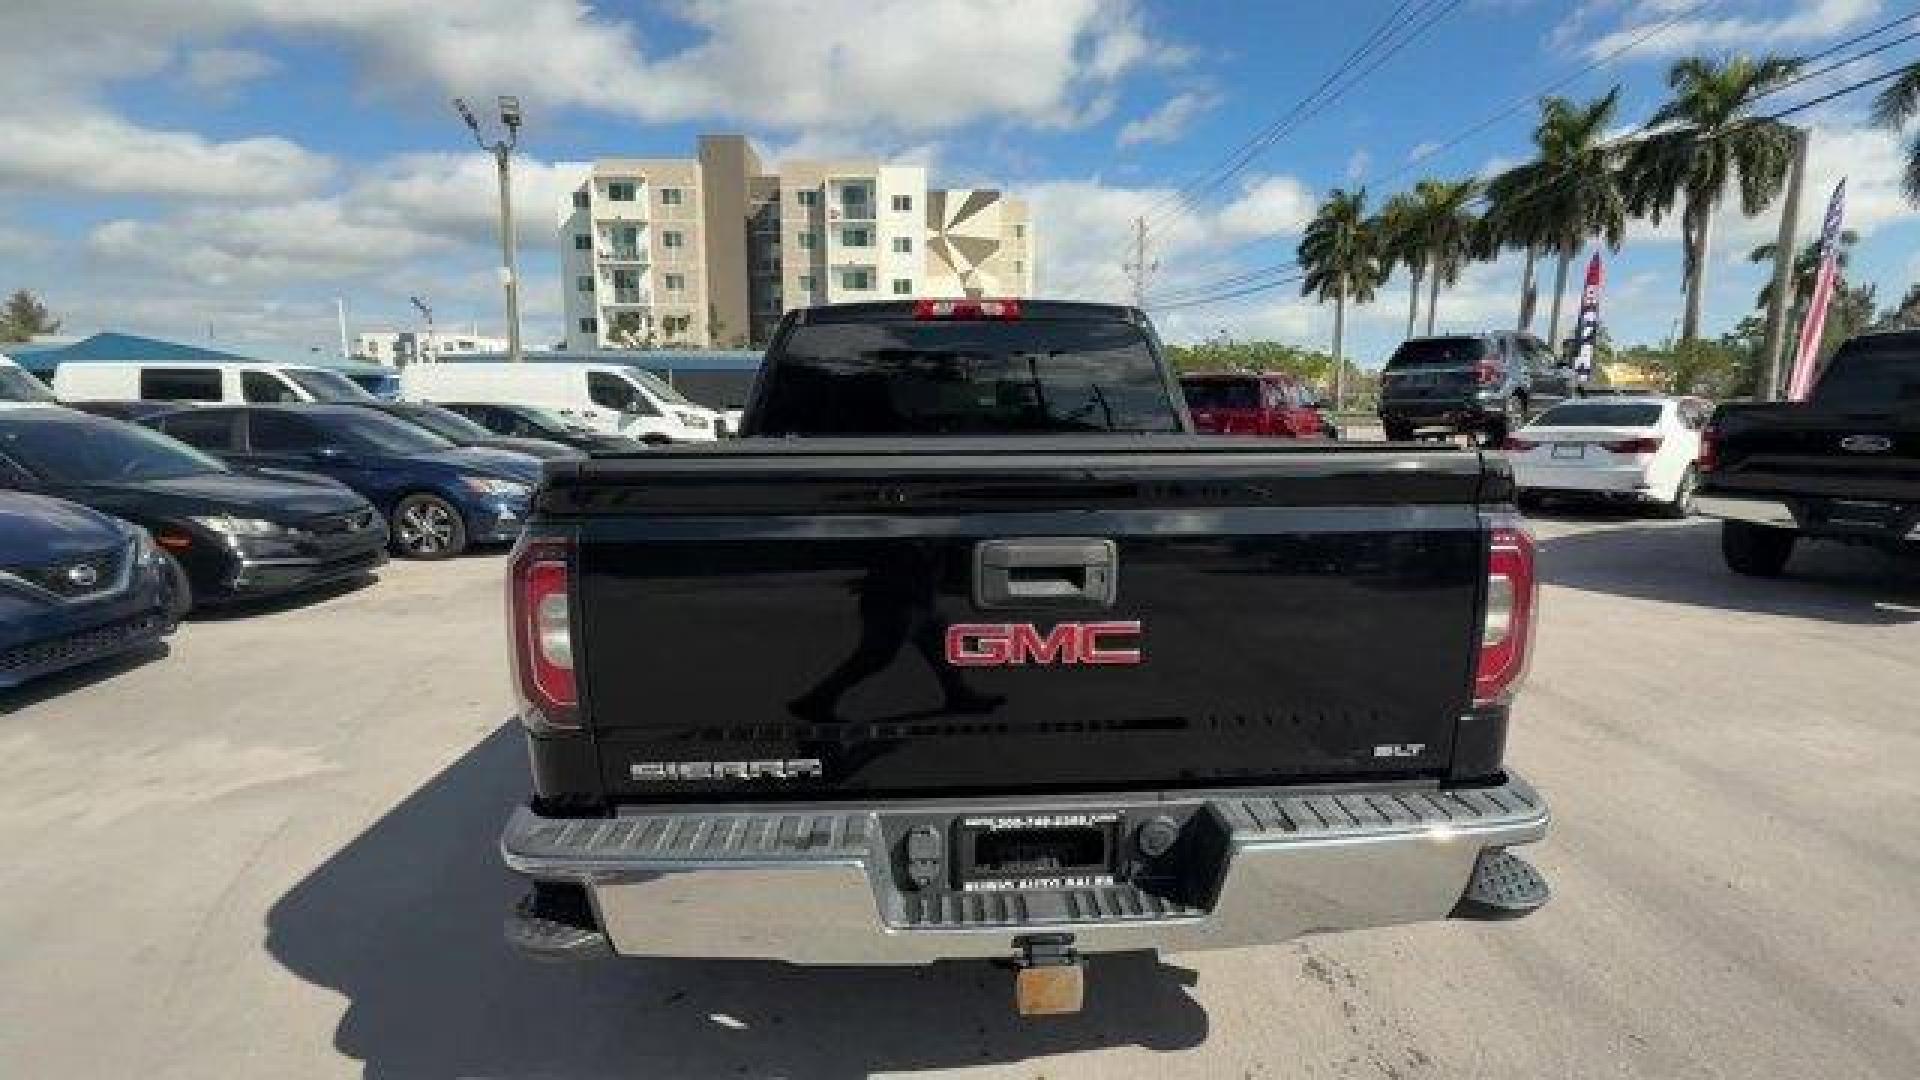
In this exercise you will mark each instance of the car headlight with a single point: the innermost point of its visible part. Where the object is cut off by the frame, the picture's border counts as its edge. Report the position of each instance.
(694, 420)
(502, 489)
(228, 525)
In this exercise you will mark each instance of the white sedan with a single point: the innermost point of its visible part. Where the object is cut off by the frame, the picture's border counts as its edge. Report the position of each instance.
(1625, 449)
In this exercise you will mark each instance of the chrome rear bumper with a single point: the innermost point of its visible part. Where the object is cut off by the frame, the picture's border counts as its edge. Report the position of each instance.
(819, 883)
(1755, 511)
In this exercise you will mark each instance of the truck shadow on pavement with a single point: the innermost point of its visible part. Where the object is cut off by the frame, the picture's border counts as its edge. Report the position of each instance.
(405, 922)
(1679, 563)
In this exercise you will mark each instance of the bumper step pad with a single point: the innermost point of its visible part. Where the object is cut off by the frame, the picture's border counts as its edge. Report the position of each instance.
(1503, 886)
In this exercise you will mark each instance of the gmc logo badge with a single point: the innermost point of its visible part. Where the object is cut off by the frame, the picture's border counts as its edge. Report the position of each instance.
(1010, 644)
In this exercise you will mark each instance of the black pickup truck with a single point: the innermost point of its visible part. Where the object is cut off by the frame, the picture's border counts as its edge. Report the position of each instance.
(1842, 465)
(970, 649)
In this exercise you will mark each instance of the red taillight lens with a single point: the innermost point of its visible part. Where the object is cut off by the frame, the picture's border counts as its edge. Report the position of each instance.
(1486, 373)
(1518, 446)
(1709, 459)
(1633, 446)
(539, 616)
(1004, 310)
(1506, 637)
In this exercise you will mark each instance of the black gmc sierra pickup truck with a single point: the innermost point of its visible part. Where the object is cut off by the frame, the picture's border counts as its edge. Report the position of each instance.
(1842, 465)
(971, 649)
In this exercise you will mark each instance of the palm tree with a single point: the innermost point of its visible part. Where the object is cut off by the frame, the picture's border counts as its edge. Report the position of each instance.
(1340, 252)
(1705, 139)
(1401, 242)
(1449, 231)
(1806, 266)
(1569, 193)
(1892, 108)
(1513, 220)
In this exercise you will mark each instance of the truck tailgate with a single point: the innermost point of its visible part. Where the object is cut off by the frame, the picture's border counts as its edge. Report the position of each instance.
(823, 619)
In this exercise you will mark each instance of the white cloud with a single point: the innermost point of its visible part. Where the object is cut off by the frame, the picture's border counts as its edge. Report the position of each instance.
(1168, 122)
(96, 151)
(1805, 21)
(1358, 164)
(1422, 151)
(1267, 206)
(220, 70)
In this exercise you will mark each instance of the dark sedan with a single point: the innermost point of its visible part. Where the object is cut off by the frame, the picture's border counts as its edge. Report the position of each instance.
(75, 586)
(438, 498)
(461, 431)
(532, 422)
(235, 534)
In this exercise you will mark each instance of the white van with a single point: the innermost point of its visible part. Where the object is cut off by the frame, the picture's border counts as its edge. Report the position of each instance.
(613, 398)
(19, 387)
(224, 384)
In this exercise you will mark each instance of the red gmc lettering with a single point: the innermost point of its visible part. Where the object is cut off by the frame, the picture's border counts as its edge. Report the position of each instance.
(1006, 644)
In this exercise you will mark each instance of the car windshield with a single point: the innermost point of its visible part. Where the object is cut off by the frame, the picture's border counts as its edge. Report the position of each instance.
(1221, 393)
(660, 387)
(17, 385)
(377, 433)
(326, 385)
(1437, 353)
(967, 378)
(1872, 373)
(75, 448)
(1601, 414)
(445, 423)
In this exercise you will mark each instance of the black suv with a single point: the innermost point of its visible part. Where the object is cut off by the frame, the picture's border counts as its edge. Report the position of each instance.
(1488, 384)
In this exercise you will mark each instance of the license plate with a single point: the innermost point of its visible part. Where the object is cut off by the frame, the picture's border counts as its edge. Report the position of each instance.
(1573, 451)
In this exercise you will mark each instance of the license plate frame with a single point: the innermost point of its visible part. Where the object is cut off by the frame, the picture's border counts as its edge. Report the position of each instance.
(1037, 852)
(1569, 451)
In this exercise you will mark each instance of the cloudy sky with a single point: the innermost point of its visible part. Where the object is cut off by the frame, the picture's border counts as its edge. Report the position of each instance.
(224, 169)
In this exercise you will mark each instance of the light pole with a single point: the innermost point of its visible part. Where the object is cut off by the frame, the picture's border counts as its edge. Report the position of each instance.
(502, 151)
(432, 353)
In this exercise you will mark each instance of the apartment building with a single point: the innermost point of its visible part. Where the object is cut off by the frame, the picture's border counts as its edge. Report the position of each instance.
(709, 252)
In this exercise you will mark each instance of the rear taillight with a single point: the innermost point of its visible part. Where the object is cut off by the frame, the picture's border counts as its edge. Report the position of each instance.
(1004, 310)
(1506, 637)
(1486, 373)
(539, 616)
(1709, 459)
(1633, 446)
(1517, 446)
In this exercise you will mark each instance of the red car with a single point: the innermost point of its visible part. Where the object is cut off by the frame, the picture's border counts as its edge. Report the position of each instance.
(1265, 404)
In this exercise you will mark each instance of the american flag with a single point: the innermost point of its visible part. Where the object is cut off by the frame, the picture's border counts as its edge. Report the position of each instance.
(1800, 383)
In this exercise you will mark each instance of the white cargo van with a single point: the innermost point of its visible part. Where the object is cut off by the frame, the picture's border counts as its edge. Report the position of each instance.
(19, 387)
(225, 384)
(613, 398)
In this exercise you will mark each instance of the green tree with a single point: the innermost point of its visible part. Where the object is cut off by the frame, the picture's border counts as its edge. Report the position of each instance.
(1903, 316)
(1340, 252)
(1572, 191)
(1402, 243)
(1892, 108)
(23, 316)
(1225, 354)
(1806, 266)
(1706, 139)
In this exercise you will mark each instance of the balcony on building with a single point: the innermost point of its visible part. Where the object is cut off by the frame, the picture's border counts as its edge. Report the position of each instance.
(851, 198)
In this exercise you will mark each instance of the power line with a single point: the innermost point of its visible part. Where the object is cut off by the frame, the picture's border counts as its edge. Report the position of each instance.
(1516, 105)
(1842, 92)
(1184, 199)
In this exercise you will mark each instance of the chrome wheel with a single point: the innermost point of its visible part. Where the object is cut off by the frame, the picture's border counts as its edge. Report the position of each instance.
(425, 526)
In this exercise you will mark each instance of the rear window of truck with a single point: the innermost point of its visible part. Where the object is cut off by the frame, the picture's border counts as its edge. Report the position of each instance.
(1437, 353)
(965, 378)
(1221, 393)
(1871, 373)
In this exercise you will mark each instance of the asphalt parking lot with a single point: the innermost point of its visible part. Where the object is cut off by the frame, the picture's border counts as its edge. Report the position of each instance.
(271, 853)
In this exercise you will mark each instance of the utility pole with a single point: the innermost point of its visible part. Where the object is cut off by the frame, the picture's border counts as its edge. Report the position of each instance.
(1785, 253)
(340, 309)
(432, 353)
(502, 151)
(1138, 270)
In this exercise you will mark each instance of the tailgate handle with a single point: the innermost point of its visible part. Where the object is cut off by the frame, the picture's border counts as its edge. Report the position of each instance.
(1044, 572)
